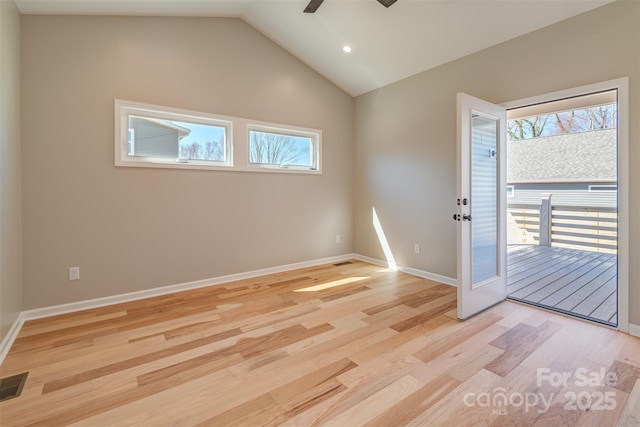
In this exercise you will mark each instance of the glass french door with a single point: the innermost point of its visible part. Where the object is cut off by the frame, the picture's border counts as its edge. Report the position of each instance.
(481, 208)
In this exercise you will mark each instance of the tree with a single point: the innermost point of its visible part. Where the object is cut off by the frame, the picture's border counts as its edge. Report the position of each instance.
(213, 151)
(602, 117)
(196, 151)
(190, 151)
(587, 119)
(564, 122)
(531, 127)
(270, 148)
(567, 122)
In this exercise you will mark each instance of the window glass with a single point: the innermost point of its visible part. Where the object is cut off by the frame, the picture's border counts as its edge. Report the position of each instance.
(281, 150)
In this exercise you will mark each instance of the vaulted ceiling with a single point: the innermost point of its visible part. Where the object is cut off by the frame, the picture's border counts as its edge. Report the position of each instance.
(387, 45)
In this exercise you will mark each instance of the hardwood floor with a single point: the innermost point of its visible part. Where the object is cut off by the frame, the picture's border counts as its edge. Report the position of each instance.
(343, 345)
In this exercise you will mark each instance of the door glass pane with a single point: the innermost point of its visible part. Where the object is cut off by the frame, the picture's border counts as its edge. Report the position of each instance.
(484, 198)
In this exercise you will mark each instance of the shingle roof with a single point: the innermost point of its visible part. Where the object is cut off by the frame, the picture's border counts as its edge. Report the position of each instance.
(587, 156)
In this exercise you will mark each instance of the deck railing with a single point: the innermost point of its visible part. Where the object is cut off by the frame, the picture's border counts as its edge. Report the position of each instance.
(578, 227)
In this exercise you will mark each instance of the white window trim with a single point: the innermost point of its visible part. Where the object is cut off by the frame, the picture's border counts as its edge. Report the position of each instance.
(236, 143)
(123, 109)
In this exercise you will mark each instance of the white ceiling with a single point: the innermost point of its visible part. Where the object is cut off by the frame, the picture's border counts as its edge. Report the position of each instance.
(388, 44)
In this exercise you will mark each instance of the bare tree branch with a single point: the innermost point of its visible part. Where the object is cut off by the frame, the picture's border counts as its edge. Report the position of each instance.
(211, 150)
(269, 148)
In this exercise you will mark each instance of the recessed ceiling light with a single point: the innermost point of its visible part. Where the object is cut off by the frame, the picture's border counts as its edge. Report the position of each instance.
(347, 49)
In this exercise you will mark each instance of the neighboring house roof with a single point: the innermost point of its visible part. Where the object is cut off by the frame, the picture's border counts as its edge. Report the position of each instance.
(582, 157)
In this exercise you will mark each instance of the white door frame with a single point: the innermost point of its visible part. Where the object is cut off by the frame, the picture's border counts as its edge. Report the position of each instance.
(622, 85)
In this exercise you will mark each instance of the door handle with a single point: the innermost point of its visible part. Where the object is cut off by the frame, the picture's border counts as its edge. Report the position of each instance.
(466, 217)
(456, 217)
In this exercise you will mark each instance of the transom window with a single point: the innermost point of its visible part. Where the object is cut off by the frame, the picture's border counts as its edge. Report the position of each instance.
(282, 149)
(155, 136)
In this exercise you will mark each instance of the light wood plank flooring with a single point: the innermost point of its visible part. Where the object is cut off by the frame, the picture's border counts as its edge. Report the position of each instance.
(342, 345)
(580, 283)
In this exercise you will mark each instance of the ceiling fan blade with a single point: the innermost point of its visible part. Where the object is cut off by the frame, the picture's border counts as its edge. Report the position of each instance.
(387, 3)
(313, 6)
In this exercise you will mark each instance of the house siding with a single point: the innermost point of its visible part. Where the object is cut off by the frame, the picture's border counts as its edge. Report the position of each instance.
(568, 194)
(153, 140)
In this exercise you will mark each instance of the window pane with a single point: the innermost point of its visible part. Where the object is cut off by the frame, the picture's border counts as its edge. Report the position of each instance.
(131, 146)
(484, 198)
(169, 139)
(267, 148)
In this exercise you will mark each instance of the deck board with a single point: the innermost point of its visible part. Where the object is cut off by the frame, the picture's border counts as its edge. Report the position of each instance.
(540, 278)
(578, 282)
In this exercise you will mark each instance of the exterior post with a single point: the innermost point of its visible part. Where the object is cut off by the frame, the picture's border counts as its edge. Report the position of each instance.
(545, 220)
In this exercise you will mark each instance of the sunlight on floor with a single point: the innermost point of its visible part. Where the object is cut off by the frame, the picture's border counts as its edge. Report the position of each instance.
(332, 284)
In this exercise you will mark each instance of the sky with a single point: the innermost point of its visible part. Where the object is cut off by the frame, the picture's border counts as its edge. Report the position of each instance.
(204, 133)
(201, 133)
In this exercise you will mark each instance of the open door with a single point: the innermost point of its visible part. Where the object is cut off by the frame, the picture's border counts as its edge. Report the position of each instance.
(481, 205)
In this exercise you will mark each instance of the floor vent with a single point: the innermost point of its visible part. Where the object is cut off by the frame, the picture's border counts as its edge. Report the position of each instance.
(11, 387)
(343, 263)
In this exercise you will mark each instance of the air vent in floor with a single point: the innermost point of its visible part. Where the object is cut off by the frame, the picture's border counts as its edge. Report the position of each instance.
(11, 387)
(343, 263)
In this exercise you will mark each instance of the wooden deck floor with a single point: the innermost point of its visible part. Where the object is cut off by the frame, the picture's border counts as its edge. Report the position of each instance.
(581, 283)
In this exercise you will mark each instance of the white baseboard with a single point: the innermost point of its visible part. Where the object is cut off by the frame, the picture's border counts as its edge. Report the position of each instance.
(410, 270)
(634, 330)
(55, 310)
(373, 261)
(11, 336)
(39, 313)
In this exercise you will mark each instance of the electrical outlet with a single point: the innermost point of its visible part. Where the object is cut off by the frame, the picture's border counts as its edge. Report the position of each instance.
(416, 248)
(74, 273)
(337, 238)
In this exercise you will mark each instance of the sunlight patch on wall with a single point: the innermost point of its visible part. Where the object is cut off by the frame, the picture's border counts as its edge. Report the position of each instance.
(383, 241)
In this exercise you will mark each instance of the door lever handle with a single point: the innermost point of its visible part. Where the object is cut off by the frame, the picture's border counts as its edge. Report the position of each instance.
(466, 217)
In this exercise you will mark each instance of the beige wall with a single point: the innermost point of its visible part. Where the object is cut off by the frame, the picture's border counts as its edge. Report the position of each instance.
(131, 228)
(406, 132)
(10, 174)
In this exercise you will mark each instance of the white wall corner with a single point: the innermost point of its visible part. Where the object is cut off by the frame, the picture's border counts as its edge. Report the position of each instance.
(11, 336)
(370, 260)
(634, 330)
